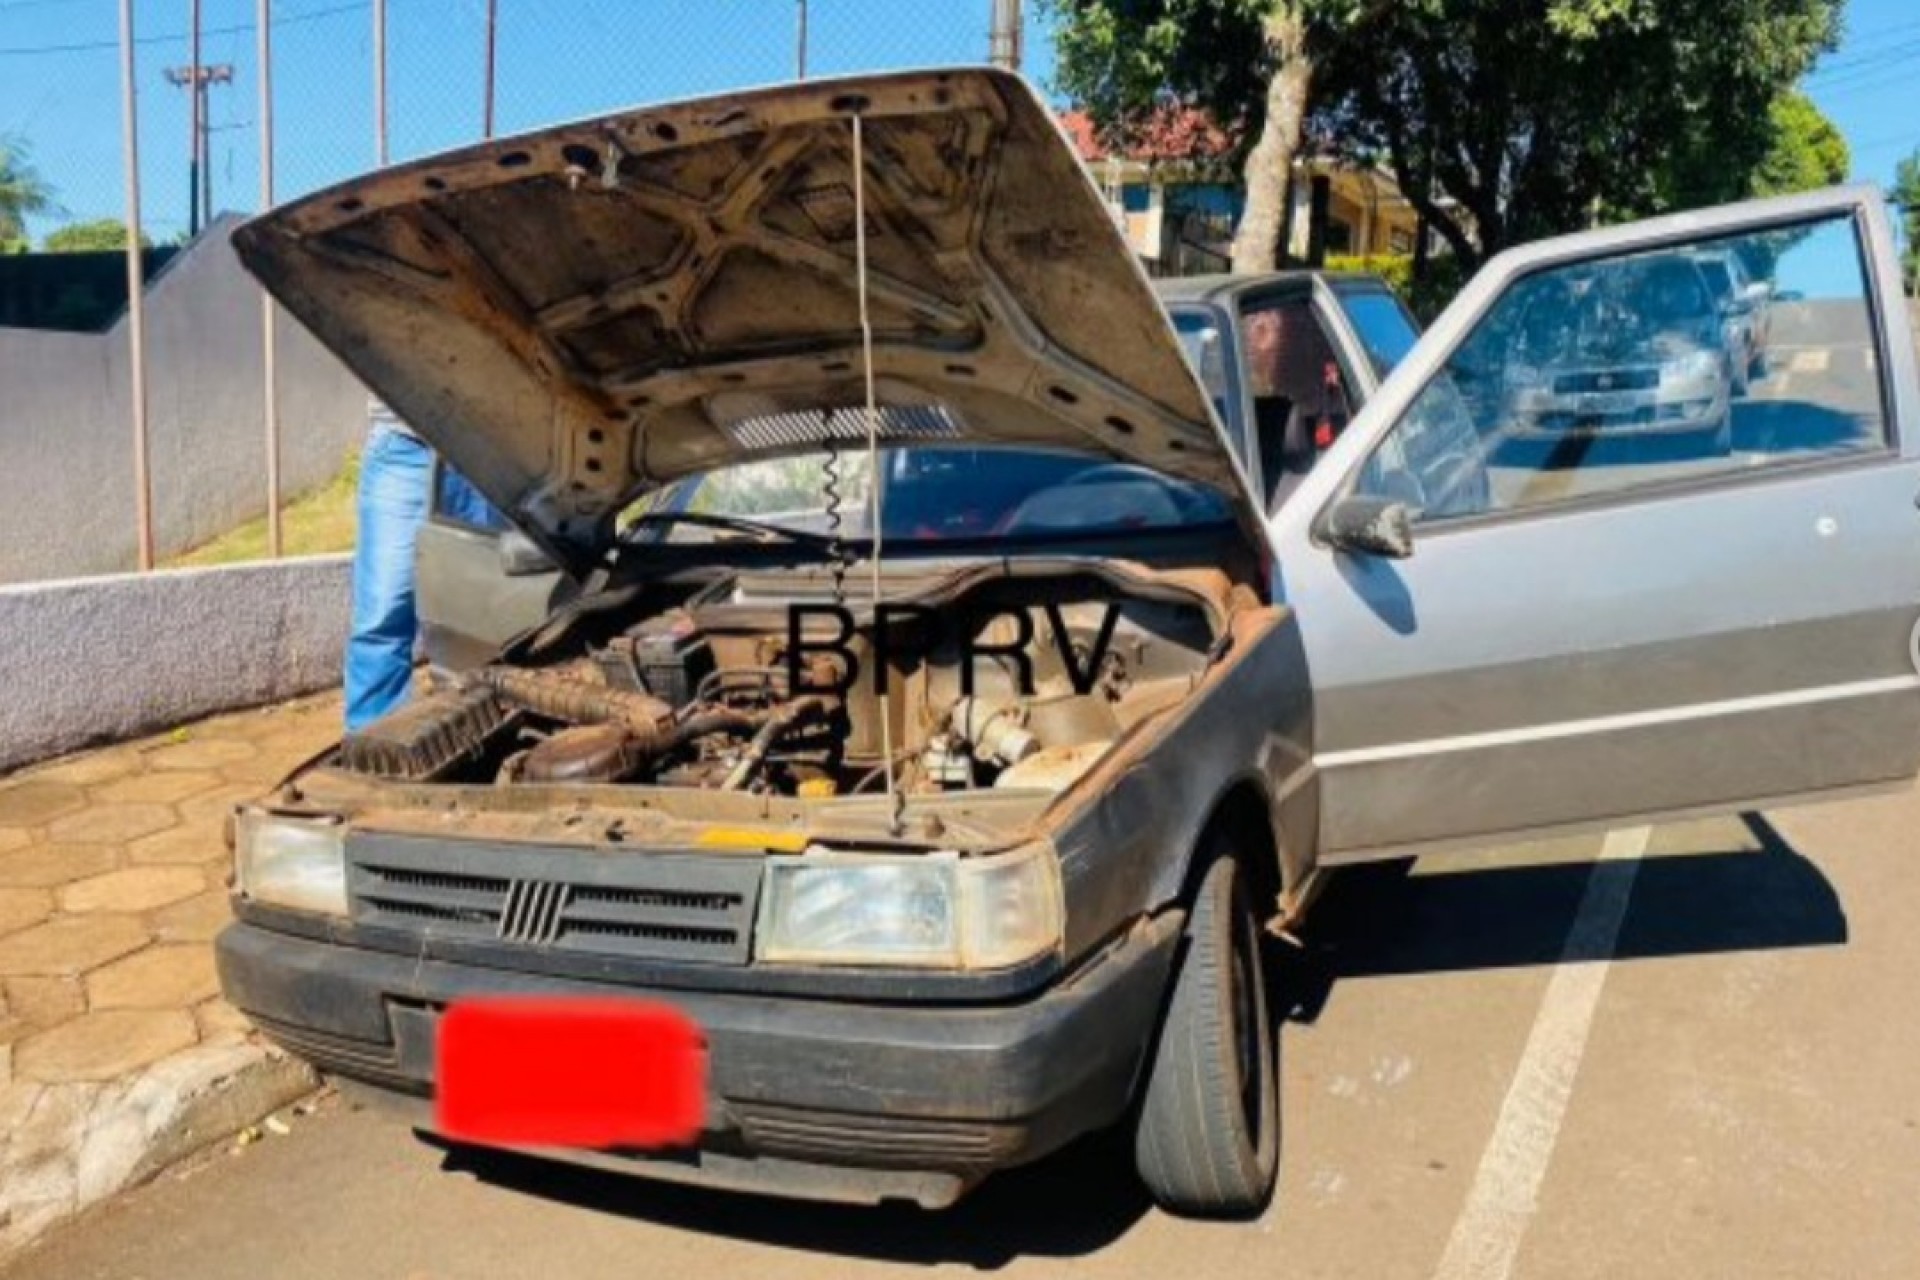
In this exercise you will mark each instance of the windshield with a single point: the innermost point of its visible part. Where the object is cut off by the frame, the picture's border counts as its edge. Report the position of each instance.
(937, 493)
(1382, 325)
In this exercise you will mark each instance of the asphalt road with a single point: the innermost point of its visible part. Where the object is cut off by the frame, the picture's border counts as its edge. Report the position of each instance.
(1698, 1059)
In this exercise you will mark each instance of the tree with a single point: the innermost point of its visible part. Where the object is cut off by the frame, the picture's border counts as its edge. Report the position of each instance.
(99, 236)
(1246, 64)
(1505, 120)
(1906, 194)
(1808, 150)
(22, 190)
(1800, 150)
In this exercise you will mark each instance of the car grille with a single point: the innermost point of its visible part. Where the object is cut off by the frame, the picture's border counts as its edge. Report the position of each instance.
(1607, 380)
(554, 898)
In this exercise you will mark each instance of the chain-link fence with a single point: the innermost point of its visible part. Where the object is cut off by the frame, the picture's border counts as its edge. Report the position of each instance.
(68, 410)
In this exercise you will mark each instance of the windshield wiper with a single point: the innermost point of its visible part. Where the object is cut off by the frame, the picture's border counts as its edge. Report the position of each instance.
(734, 524)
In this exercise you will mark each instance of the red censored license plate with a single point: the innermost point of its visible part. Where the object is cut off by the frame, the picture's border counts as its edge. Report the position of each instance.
(574, 1073)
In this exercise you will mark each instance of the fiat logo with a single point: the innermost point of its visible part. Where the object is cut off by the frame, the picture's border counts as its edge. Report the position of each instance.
(1605, 382)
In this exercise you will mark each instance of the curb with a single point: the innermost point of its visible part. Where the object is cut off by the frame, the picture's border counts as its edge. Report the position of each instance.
(65, 1147)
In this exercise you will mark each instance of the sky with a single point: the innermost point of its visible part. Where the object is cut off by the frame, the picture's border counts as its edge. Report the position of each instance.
(59, 78)
(557, 59)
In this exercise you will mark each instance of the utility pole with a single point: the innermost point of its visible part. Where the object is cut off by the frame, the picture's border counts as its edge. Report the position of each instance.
(269, 342)
(197, 79)
(380, 83)
(493, 38)
(800, 41)
(136, 296)
(1004, 38)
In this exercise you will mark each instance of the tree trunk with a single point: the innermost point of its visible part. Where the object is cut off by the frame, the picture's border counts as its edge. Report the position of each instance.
(1256, 244)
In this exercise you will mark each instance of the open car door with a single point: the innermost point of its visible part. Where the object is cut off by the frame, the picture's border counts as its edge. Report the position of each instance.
(1653, 570)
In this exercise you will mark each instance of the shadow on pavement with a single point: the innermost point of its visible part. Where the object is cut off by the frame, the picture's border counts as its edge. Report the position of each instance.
(1378, 919)
(1067, 1206)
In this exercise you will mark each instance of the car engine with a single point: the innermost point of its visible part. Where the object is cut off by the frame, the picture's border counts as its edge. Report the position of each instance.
(1014, 682)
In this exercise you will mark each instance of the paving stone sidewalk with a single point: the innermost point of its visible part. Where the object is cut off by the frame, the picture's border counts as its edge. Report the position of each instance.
(117, 1054)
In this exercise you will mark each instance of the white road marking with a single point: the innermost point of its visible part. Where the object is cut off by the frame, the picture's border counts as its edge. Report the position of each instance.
(1500, 1204)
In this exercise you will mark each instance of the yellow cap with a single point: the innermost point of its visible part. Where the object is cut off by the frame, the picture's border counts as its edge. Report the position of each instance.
(818, 788)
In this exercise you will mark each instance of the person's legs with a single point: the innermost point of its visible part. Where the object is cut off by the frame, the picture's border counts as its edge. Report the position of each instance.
(396, 475)
(460, 500)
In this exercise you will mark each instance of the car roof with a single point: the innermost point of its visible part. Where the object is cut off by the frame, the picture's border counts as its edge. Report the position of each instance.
(1222, 288)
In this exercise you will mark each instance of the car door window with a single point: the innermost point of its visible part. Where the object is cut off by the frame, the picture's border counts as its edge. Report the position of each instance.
(1708, 359)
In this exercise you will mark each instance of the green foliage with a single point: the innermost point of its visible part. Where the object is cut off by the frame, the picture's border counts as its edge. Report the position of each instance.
(22, 190)
(1803, 150)
(1122, 61)
(1808, 151)
(13, 246)
(1532, 120)
(1502, 121)
(99, 236)
(1906, 194)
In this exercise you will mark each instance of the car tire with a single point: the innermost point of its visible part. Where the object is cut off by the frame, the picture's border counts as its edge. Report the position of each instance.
(1742, 379)
(1207, 1143)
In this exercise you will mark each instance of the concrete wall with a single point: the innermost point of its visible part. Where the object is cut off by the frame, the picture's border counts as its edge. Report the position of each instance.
(66, 435)
(99, 659)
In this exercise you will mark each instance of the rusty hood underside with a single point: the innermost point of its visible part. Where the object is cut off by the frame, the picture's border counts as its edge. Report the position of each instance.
(578, 315)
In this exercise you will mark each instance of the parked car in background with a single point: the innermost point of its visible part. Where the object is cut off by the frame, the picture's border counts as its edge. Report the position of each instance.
(1746, 308)
(955, 838)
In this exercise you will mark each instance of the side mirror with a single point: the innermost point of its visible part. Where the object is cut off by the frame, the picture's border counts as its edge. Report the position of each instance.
(522, 557)
(1369, 527)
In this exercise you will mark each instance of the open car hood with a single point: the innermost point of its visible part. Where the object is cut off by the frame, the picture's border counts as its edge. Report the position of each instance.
(578, 315)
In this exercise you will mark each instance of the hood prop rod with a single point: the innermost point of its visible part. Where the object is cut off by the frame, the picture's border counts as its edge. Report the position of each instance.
(895, 801)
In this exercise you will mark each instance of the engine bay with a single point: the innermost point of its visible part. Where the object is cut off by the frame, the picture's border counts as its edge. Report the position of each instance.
(770, 684)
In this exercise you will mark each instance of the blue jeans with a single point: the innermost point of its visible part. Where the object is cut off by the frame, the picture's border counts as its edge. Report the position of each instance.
(396, 481)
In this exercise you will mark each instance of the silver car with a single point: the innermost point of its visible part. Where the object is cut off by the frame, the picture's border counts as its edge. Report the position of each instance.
(941, 842)
(1746, 310)
(1633, 348)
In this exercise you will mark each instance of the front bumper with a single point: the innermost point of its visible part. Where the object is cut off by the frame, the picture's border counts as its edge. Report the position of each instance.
(1678, 406)
(836, 1100)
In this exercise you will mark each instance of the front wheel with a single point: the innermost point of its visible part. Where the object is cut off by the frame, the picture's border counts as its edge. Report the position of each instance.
(1208, 1141)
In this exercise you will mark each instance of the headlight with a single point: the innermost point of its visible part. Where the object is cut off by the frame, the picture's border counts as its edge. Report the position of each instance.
(292, 862)
(927, 910)
(1695, 364)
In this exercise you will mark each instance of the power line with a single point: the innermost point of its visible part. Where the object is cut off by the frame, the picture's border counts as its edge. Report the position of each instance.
(97, 46)
(1888, 59)
(1886, 78)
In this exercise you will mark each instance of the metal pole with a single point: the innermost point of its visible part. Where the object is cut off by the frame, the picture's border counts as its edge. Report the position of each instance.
(1004, 40)
(136, 302)
(800, 41)
(196, 116)
(380, 83)
(493, 40)
(269, 368)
